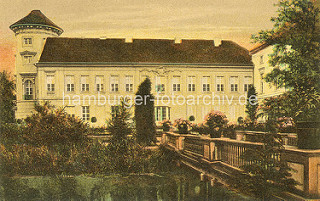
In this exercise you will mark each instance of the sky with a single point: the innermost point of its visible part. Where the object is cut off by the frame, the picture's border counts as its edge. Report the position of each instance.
(232, 20)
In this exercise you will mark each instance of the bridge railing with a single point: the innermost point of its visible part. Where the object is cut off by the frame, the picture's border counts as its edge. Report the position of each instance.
(230, 151)
(289, 139)
(305, 163)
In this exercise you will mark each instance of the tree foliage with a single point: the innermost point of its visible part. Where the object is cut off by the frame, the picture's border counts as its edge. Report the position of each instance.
(295, 56)
(7, 97)
(252, 105)
(49, 142)
(119, 129)
(144, 114)
(54, 127)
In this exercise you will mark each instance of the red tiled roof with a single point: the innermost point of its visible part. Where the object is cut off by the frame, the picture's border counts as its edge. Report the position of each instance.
(144, 51)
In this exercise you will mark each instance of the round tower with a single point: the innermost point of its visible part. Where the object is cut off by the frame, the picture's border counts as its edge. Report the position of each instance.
(31, 33)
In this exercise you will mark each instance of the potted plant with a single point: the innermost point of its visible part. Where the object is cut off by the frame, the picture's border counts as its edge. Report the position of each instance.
(182, 125)
(93, 119)
(230, 130)
(215, 122)
(166, 124)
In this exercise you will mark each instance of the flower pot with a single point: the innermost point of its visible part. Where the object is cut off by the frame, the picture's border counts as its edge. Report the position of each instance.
(240, 135)
(308, 134)
(165, 128)
(183, 129)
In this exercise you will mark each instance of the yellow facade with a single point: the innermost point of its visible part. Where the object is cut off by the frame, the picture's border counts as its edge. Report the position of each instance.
(260, 59)
(181, 89)
(179, 104)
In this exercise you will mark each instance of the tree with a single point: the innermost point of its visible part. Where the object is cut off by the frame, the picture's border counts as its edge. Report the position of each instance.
(295, 57)
(119, 128)
(144, 114)
(252, 105)
(7, 97)
(54, 128)
(265, 172)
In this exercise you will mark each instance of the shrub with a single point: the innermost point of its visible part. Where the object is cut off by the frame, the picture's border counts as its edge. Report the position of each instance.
(166, 124)
(216, 121)
(182, 125)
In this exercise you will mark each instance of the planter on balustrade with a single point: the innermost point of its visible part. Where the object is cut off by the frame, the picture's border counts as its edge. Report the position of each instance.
(308, 134)
(240, 135)
(183, 129)
(165, 127)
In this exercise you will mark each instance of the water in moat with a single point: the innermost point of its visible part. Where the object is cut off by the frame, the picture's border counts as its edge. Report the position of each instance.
(168, 186)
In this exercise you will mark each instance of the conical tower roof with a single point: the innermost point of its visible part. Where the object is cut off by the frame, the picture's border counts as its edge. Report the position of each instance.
(37, 20)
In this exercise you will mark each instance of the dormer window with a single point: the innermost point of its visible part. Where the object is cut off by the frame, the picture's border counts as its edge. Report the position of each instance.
(27, 41)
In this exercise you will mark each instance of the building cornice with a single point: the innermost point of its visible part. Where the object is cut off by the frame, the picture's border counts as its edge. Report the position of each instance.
(137, 64)
(258, 48)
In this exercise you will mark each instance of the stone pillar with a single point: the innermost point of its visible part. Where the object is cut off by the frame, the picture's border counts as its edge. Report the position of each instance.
(180, 143)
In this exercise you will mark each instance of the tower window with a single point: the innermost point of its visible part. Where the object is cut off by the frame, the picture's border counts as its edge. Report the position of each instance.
(27, 41)
(28, 90)
(27, 59)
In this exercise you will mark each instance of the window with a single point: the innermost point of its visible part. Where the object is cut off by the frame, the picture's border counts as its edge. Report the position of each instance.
(234, 83)
(261, 59)
(27, 59)
(160, 88)
(69, 83)
(160, 84)
(27, 41)
(176, 83)
(50, 83)
(28, 90)
(85, 113)
(247, 82)
(205, 83)
(191, 83)
(220, 83)
(129, 83)
(84, 83)
(114, 83)
(162, 113)
(99, 83)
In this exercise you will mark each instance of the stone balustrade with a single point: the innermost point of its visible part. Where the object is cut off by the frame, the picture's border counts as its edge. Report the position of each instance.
(306, 163)
(289, 139)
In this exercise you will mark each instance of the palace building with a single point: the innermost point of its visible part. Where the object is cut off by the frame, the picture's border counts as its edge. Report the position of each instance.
(86, 76)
